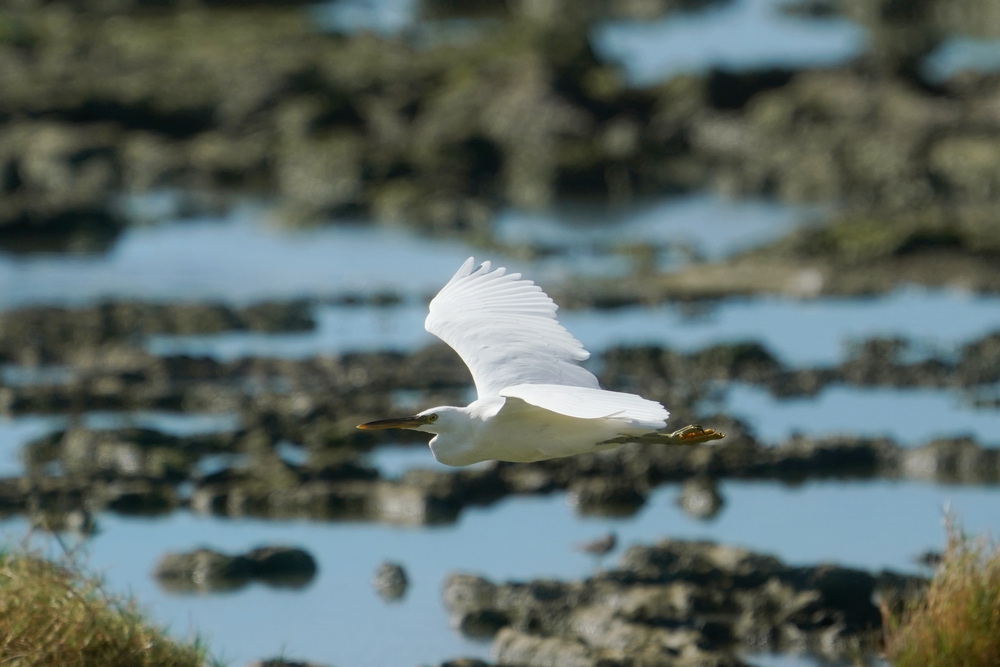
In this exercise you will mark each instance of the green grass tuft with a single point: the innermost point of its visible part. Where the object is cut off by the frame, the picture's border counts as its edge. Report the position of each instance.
(957, 620)
(53, 615)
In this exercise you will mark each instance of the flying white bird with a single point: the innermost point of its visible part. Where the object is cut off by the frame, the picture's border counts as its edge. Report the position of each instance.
(535, 402)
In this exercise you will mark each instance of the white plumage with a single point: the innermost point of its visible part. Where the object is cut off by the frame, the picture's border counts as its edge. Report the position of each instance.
(534, 399)
(505, 330)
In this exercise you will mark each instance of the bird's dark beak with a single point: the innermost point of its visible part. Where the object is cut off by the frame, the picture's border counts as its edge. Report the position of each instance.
(412, 421)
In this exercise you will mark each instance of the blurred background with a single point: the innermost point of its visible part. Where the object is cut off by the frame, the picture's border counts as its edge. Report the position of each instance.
(221, 222)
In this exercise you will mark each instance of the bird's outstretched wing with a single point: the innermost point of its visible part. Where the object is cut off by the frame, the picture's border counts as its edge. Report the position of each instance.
(589, 403)
(505, 330)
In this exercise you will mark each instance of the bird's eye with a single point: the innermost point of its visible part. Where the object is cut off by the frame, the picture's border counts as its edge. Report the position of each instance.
(432, 418)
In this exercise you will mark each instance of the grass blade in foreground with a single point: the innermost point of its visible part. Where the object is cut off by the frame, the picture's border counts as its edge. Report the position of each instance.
(957, 620)
(52, 615)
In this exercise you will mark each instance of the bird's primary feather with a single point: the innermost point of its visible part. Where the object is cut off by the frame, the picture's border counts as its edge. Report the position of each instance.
(505, 330)
(589, 403)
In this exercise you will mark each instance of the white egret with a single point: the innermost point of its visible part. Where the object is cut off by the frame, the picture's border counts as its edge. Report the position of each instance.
(535, 401)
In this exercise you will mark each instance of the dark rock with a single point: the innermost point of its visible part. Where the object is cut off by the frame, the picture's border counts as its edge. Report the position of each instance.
(835, 456)
(294, 494)
(699, 563)
(127, 453)
(206, 570)
(390, 581)
(527, 479)
(281, 566)
(958, 460)
(464, 593)
(980, 361)
(480, 624)
(689, 602)
(604, 497)
(13, 496)
(57, 182)
(464, 662)
(282, 662)
(202, 570)
(137, 497)
(513, 647)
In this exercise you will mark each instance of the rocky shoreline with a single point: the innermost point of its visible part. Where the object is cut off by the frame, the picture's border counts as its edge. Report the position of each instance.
(363, 126)
(680, 603)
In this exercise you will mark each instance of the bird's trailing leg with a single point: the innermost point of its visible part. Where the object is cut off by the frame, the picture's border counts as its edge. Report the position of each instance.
(693, 434)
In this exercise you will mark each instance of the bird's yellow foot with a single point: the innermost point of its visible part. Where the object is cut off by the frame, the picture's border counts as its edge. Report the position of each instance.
(694, 434)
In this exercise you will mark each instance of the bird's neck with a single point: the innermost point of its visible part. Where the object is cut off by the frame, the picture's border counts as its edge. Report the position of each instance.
(460, 444)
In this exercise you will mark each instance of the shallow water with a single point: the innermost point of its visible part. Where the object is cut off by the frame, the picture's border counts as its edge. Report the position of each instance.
(339, 619)
(961, 54)
(243, 257)
(811, 332)
(908, 416)
(239, 258)
(739, 35)
(702, 225)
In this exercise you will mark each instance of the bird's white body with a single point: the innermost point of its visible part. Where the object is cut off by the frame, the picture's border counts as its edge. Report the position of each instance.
(535, 401)
(509, 429)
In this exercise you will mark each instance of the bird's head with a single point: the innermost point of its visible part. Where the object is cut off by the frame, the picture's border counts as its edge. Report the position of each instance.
(433, 420)
(454, 442)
